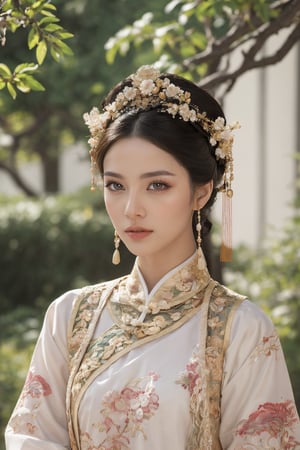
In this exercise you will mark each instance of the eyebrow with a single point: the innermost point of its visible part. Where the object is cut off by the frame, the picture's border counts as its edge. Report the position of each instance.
(155, 173)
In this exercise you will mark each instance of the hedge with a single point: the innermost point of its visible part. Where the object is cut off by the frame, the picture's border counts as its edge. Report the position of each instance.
(52, 245)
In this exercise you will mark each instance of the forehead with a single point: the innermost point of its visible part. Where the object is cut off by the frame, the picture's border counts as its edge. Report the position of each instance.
(134, 153)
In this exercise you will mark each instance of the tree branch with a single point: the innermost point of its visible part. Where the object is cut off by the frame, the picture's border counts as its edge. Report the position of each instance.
(216, 79)
(13, 173)
(10, 166)
(286, 14)
(241, 33)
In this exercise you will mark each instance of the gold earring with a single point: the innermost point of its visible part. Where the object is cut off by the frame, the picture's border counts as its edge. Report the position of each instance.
(116, 254)
(198, 229)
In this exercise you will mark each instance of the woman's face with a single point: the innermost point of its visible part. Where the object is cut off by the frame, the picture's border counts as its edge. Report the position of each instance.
(150, 200)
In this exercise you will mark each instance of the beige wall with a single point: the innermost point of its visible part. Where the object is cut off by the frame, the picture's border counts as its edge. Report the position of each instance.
(274, 193)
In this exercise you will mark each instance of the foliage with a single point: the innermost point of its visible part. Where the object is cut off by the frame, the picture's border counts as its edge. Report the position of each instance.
(271, 278)
(44, 33)
(52, 245)
(213, 41)
(39, 125)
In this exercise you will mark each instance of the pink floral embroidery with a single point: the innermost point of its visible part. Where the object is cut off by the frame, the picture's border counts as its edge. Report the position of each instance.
(266, 347)
(190, 378)
(23, 422)
(270, 426)
(36, 386)
(123, 413)
(24, 418)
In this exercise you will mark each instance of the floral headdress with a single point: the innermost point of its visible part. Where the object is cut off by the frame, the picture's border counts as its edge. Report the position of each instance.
(150, 89)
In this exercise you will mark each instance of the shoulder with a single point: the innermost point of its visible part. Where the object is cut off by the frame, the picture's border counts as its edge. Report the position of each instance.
(226, 297)
(221, 290)
(247, 316)
(251, 319)
(251, 331)
(63, 305)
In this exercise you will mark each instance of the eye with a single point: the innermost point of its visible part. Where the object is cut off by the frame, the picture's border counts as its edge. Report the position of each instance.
(158, 186)
(114, 186)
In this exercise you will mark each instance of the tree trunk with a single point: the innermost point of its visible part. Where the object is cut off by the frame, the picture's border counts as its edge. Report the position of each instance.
(50, 164)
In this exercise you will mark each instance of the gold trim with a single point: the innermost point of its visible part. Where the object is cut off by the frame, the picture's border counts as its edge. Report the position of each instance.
(230, 318)
(218, 306)
(130, 347)
(76, 360)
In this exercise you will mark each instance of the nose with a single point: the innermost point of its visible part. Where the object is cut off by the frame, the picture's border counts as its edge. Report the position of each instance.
(134, 206)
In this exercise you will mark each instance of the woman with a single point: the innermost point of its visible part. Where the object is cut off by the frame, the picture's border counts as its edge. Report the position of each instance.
(165, 357)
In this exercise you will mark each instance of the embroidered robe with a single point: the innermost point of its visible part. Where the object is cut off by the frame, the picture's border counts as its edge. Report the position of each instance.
(144, 371)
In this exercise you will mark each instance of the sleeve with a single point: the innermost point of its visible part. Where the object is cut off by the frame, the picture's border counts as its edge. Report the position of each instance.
(257, 408)
(39, 418)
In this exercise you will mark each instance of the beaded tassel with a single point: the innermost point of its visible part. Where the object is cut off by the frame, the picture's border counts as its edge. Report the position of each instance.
(226, 246)
(227, 194)
(93, 168)
(198, 229)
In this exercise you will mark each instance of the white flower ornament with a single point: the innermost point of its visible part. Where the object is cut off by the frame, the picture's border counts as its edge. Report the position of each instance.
(149, 89)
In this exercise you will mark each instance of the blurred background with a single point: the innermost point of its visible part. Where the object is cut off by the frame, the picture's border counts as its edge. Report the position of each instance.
(58, 59)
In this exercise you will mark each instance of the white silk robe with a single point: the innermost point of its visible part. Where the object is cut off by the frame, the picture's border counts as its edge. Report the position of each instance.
(141, 401)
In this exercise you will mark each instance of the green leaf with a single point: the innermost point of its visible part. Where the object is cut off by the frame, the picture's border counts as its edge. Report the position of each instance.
(11, 90)
(64, 35)
(111, 54)
(47, 13)
(29, 12)
(2, 84)
(33, 38)
(55, 54)
(5, 71)
(23, 87)
(50, 6)
(25, 67)
(50, 19)
(32, 83)
(37, 4)
(41, 52)
(199, 40)
(63, 48)
(13, 26)
(53, 27)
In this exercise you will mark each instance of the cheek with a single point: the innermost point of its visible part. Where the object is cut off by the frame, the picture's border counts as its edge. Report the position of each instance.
(110, 206)
(178, 205)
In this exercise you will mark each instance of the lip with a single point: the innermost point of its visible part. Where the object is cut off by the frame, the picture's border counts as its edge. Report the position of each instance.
(137, 233)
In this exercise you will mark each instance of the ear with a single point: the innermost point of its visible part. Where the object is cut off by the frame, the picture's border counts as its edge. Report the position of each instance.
(202, 194)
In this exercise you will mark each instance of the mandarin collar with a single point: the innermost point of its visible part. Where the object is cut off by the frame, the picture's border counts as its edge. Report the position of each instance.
(174, 288)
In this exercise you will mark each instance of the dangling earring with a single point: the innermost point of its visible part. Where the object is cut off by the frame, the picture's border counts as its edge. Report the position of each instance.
(116, 254)
(198, 229)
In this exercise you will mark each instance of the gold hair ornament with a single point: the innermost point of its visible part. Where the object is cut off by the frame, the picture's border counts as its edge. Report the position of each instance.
(150, 89)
